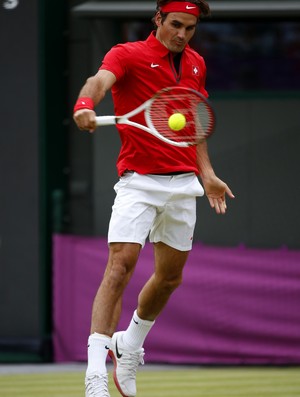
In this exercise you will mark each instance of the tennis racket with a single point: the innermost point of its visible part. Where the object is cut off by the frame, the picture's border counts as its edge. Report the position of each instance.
(198, 113)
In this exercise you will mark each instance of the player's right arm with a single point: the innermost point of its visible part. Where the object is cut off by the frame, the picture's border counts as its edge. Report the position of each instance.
(94, 89)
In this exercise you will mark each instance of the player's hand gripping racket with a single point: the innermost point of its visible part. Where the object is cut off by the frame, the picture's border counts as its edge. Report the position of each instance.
(199, 119)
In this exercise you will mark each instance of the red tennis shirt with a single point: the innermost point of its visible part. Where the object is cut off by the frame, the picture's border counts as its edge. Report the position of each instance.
(141, 69)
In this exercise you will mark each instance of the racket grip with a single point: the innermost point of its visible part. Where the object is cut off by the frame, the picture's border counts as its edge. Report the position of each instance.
(105, 120)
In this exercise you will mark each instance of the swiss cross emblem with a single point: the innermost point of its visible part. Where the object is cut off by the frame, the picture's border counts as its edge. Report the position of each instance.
(195, 71)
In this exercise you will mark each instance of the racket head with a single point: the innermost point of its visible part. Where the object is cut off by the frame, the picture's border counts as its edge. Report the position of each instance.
(199, 115)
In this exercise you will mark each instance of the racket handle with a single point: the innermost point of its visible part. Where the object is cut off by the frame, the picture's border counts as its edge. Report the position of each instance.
(105, 120)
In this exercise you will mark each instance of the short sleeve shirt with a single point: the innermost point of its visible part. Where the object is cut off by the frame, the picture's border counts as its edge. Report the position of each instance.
(142, 68)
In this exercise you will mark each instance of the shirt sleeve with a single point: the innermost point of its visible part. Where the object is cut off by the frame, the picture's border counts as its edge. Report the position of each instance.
(114, 61)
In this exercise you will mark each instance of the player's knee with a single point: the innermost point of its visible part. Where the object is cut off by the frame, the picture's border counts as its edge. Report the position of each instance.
(168, 285)
(119, 272)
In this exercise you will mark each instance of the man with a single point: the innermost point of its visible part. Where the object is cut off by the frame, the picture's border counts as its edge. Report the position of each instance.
(156, 192)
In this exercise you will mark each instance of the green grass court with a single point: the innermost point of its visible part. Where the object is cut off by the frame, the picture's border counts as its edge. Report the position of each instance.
(187, 382)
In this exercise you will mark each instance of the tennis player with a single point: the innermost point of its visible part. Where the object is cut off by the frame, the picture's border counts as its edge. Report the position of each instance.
(156, 193)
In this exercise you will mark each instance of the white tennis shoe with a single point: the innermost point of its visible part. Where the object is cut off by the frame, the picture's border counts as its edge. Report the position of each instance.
(125, 365)
(96, 386)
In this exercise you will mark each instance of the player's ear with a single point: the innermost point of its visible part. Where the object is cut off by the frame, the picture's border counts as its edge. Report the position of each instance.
(158, 19)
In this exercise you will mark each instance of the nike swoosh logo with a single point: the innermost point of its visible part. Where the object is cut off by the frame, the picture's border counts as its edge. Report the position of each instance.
(189, 7)
(134, 320)
(154, 65)
(106, 347)
(117, 350)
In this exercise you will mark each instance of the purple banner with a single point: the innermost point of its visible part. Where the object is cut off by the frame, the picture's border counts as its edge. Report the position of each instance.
(235, 306)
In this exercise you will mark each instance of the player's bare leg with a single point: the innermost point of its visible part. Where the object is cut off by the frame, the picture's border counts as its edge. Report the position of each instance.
(106, 312)
(107, 304)
(169, 264)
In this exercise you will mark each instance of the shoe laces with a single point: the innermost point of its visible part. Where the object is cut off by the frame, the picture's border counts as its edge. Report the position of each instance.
(97, 386)
(131, 360)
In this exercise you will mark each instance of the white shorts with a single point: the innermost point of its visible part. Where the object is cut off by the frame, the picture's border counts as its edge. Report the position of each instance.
(159, 206)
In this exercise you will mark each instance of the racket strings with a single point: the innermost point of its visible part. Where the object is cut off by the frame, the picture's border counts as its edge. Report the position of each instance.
(196, 112)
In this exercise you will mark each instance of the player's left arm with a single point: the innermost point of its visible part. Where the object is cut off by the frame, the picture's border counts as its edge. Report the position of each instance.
(215, 189)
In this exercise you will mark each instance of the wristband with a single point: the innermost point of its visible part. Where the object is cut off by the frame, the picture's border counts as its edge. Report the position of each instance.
(84, 103)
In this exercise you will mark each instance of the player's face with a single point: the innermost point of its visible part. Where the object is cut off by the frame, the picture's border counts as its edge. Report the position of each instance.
(176, 31)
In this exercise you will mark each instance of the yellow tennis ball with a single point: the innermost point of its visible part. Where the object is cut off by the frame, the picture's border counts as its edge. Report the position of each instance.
(177, 121)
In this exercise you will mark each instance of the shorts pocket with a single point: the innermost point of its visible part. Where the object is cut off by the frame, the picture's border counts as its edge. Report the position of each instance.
(124, 180)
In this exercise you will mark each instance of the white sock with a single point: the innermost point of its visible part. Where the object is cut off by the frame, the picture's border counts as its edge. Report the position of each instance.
(98, 346)
(135, 335)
